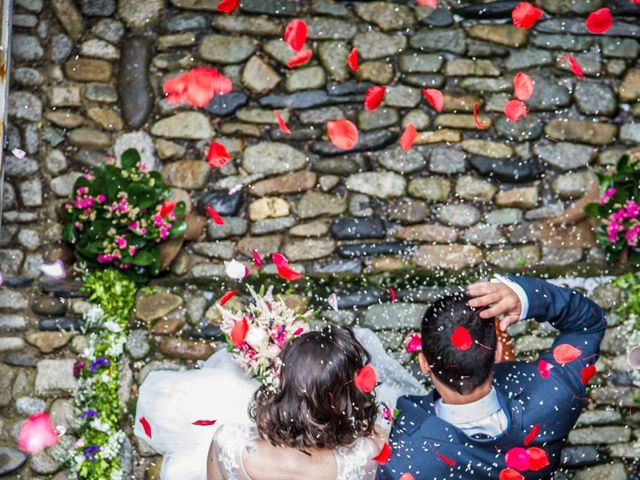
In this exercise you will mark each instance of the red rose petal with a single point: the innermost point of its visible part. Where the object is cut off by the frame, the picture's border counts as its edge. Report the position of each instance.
(599, 21)
(227, 6)
(587, 373)
(514, 110)
(414, 343)
(204, 423)
(446, 460)
(518, 459)
(392, 294)
(384, 455)
(352, 59)
(257, 259)
(539, 459)
(434, 97)
(300, 58)
(176, 88)
(428, 3)
(217, 155)
(279, 259)
(373, 98)
(510, 474)
(531, 436)
(296, 34)
(522, 86)
(282, 265)
(476, 119)
(366, 379)
(525, 15)
(408, 137)
(565, 353)
(145, 426)
(227, 296)
(167, 208)
(408, 476)
(461, 339)
(37, 433)
(544, 368)
(215, 216)
(573, 65)
(281, 123)
(239, 332)
(343, 134)
(203, 84)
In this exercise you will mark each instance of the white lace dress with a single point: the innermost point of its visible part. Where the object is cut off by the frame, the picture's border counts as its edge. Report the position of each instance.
(180, 408)
(354, 462)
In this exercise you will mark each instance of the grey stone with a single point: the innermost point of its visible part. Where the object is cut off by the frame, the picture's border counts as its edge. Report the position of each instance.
(184, 22)
(528, 128)
(377, 184)
(258, 76)
(435, 40)
(548, 94)
(136, 96)
(272, 158)
(485, 235)
(31, 5)
(575, 26)
(322, 28)
(505, 216)
(62, 186)
(394, 315)
(27, 406)
(378, 118)
(8, 196)
(447, 161)
(620, 47)
(140, 14)
(397, 160)
(233, 227)
(614, 471)
(98, 8)
(424, 80)
(105, 93)
(11, 460)
(475, 189)
(458, 215)
(599, 435)
(572, 185)
(11, 344)
(308, 249)
(226, 49)
(109, 29)
(595, 99)
(333, 56)
(407, 210)
(99, 49)
(270, 7)
(184, 125)
(420, 63)
(402, 96)
(10, 261)
(314, 204)
(387, 16)
(24, 106)
(54, 377)
(12, 323)
(272, 225)
(630, 133)
(28, 76)
(431, 189)
(138, 344)
(306, 78)
(329, 7)
(564, 155)
(140, 141)
(31, 193)
(372, 45)
(26, 48)
(218, 249)
(528, 58)
(486, 85)
(24, 20)
(571, 43)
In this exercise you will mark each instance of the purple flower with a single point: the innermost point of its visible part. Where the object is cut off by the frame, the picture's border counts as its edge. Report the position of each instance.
(90, 413)
(89, 452)
(78, 366)
(99, 362)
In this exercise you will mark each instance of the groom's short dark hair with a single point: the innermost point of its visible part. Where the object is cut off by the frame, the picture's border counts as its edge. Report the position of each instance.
(461, 370)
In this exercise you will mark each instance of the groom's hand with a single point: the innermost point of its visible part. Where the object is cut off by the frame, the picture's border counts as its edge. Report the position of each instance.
(499, 300)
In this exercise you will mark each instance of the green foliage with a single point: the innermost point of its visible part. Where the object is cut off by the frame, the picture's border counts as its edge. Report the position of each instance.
(630, 309)
(116, 217)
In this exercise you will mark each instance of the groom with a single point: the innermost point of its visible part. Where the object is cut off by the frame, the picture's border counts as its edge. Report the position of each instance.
(495, 420)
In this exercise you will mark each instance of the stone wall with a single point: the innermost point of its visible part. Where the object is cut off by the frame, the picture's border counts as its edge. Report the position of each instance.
(86, 83)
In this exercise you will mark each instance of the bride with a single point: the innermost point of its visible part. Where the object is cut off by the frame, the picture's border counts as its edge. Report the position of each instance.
(279, 405)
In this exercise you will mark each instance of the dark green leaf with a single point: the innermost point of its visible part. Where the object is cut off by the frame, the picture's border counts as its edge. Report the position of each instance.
(144, 258)
(129, 159)
(178, 230)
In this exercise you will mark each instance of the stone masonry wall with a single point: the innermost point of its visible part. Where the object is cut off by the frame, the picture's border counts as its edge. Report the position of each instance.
(86, 83)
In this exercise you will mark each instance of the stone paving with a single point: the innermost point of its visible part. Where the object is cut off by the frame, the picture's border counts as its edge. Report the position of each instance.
(86, 80)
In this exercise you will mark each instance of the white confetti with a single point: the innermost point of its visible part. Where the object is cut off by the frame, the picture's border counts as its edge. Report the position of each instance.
(19, 154)
(236, 270)
(333, 301)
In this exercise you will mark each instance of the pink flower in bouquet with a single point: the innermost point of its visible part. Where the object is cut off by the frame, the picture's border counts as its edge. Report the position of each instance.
(607, 195)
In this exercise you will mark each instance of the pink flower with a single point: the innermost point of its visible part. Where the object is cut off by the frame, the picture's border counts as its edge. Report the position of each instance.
(413, 343)
(121, 241)
(607, 195)
(142, 166)
(125, 266)
(613, 229)
(105, 258)
(110, 160)
(78, 225)
(632, 209)
(101, 198)
(157, 220)
(132, 250)
(632, 236)
(83, 190)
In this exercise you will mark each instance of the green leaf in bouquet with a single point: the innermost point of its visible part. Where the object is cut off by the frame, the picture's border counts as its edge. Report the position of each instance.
(129, 159)
(144, 258)
(623, 163)
(98, 229)
(180, 208)
(178, 229)
(69, 232)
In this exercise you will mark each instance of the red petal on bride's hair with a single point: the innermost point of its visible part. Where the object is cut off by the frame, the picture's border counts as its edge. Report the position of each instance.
(525, 15)
(373, 98)
(434, 97)
(599, 21)
(227, 296)
(215, 216)
(531, 436)
(408, 137)
(446, 460)
(407, 476)
(476, 119)
(384, 455)
(239, 332)
(281, 123)
(461, 339)
(300, 58)
(428, 3)
(587, 373)
(296, 34)
(565, 353)
(514, 110)
(343, 134)
(352, 59)
(257, 259)
(167, 208)
(544, 368)
(510, 474)
(392, 294)
(217, 155)
(227, 6)
(366, 379)
(204, 423)
(522, 86)
(539, 459)
(573, 65)
(145, 426)
(414, 343)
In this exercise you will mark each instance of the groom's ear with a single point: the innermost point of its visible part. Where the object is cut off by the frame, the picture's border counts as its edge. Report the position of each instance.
(424, 365)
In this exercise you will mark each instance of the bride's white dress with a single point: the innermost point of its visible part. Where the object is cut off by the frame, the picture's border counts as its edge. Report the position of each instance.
(179, 408)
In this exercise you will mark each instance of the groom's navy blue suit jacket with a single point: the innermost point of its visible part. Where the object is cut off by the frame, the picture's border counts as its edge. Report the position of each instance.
(427, 446)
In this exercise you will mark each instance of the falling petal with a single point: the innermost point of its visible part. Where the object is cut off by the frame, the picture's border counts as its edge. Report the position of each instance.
(544, 368)
(446, 460)
(408, 137)
(538, 458)
(204, 423)
(218, 155)
(54, 270)
(413, 343)
(215, 216)
(281, 123)
(300, 58)
(565, 353)
(428, 3)
(352, 59)
(392, 294)
(296, 34)
(257, 259)
(525, 15)
(196, 87)
(235, 270)
(599, 21)
(227, 6)
(522, 86)
(518, 459)
(343, 134)
(282, 266)
(19, 154)
(227, 296)
(434, 97)
(332, 300)
(166, 208)
(407, 476)
(239, 332)
(37, 433)
(531, 436)
(510, 474)
(574, 66)
(373, 97)
(514, 110)
(461, 339)
(587, 373)
(145, 426)
(366, 379)
(384, 455)
(476, 119)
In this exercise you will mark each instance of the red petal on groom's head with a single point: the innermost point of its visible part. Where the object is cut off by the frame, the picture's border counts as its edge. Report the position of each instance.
(204, 423)
(227, 296)
(565, 353)
(239, 332)
(587, 373)
(296, 34)
(446, 460)
(461, 339)
(373, 97)
(539, 459)
(413, 343)
(525, 15)
(599, 21)
(366, 379)
(518, 459)
(145, 426)
(352, 59)
(510, 474)
(531, 436)
(384, 455)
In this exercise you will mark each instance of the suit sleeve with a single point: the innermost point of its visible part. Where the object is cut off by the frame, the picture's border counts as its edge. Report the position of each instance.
(581, 322)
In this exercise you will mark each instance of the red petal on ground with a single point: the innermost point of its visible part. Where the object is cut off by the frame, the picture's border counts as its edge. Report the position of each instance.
(587, 373)
(538, 458)
(366, 379)
(573, 65)
(428, 3)
(461, 339)
(218, 155)
(176, 88)
(565, 353)
(525, 15)
(204, 423)
(37, 433)
(296, 34)
(204, 83)
(257, 259)
(514, 110)
(446, 460)
(343, 134)
(392, 294)
(288, 273)
(434, 97)
(167, 208)
(215, 216)
(599, 21)
(300, 58)
(531, 436)
(281, 123)
(476, 119)
(408, 137)
(227, 6)
(384, 455)
(544, 368)
(522, 86)
(373, 98)
(145, 426)
(352, 59)
(227, 296)
(510, 474)
(239, 332)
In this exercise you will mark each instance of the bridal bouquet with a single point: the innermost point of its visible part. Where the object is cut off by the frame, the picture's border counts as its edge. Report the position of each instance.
(257, 334)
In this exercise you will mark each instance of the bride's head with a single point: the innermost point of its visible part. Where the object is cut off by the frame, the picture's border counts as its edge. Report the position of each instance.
(317, 404)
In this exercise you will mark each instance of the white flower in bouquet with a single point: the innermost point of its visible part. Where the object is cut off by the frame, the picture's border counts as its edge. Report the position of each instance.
(257, 338)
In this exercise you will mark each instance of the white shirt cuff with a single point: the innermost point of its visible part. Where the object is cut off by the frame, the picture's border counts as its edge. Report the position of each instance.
(519, 291)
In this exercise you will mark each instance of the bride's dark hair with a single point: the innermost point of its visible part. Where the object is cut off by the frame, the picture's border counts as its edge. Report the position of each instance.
(317, 404)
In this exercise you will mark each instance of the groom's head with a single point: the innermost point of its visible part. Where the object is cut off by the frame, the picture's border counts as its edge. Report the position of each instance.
(445, 358)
